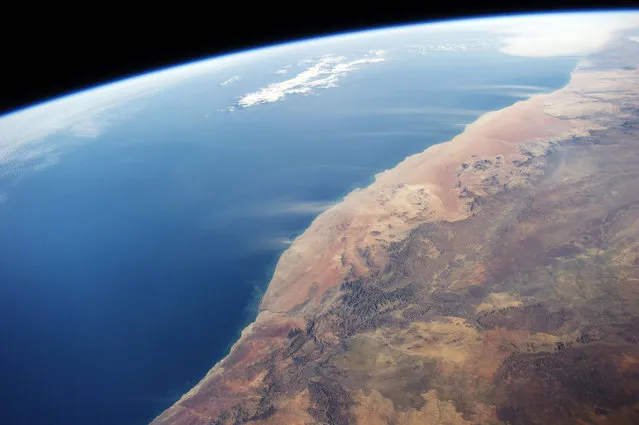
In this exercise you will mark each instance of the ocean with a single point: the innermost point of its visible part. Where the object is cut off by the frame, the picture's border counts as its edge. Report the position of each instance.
(130, 264)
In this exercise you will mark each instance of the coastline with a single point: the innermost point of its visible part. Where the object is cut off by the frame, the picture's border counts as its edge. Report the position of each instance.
(420, 175)
(351, 239)
(326, 218)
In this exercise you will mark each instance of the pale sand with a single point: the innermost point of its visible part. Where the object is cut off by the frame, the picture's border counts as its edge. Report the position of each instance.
(420, 189)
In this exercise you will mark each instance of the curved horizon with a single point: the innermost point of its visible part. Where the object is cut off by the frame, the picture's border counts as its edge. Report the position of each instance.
(318, 38)
(160, 240)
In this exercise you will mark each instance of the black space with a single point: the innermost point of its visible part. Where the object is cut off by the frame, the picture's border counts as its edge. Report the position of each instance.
(53, 52)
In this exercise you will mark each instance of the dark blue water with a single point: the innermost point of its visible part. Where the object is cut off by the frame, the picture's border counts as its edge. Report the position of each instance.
(129, 267)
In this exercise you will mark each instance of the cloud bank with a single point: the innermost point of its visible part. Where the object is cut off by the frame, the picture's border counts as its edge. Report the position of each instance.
(323, 74)
(533, 35)
(456, 46)
(559, 34)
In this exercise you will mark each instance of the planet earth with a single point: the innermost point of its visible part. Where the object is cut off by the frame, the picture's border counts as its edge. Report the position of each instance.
(424, 224)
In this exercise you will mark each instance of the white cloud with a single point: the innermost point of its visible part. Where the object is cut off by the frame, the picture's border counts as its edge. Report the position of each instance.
(378, 52)
(559, 34)
(324, 74)
(281, 71)
(453, 46)
(532, 35)
(230, 80)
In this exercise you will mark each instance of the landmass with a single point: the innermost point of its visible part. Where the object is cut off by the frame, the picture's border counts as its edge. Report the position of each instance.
(491, 279)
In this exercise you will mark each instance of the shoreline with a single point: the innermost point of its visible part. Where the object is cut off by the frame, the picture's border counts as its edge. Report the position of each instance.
(436, 202)
(255, 307)
(351, 238)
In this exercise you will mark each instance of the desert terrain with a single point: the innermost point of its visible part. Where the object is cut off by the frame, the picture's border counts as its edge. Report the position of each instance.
(491, 279)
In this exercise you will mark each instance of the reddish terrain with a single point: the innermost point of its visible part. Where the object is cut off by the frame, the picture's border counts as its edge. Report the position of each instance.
(491, 279)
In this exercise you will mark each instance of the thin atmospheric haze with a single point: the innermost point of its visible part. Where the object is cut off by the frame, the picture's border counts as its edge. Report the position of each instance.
(423, 224)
